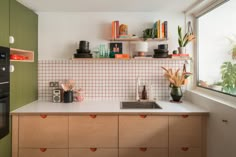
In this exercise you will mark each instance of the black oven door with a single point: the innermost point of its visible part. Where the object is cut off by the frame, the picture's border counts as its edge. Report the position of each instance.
(4, 110)
(4, 64)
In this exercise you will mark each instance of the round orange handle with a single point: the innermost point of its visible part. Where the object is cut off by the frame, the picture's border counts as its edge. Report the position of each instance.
(185, 149)
(43, 149)
(93, 116)
(143, 116)
(43, 116)
(185, 116)
(143, 149)
(93, 149)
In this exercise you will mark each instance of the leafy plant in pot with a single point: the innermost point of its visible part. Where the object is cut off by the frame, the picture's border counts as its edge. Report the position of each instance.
(183, 40)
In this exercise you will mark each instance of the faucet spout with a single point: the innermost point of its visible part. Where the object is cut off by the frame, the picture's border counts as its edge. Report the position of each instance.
(137, 89)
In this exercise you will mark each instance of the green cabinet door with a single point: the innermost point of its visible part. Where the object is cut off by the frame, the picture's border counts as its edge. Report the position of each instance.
(4, 22)
(24, 28)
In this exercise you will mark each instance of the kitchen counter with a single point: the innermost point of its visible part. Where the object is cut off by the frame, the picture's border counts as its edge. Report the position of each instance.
(107, 107)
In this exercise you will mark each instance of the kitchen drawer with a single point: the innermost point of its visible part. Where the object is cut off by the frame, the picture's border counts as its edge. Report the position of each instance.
(93, 131)
(143, 152)
(43, 152)
(185, 152)
(185, 131)
(93, 152)
(43, 131)
(143, 131)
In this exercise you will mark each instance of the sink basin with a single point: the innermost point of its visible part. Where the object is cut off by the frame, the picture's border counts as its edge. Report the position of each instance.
(139, 105)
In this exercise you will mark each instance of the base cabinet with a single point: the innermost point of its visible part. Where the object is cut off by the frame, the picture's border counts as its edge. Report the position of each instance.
(143, 152)
(93, 152)
(43, 152)
(185, 152)
(108, 136)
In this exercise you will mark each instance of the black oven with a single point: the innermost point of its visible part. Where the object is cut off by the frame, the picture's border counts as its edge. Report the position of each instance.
(4, 91)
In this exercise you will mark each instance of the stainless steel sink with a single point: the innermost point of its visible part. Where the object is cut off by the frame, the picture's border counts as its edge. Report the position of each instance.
(139, 105)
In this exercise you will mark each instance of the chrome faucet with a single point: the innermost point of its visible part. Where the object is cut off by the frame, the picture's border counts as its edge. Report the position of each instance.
(137, 89)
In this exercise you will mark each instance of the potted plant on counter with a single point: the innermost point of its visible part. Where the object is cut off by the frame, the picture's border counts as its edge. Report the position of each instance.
(177, 79)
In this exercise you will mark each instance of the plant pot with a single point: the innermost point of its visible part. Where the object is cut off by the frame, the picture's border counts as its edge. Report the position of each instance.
(182, 50)
(68, 96)
(176, 93)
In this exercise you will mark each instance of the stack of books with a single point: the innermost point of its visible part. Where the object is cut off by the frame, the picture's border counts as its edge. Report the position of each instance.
(161, 29)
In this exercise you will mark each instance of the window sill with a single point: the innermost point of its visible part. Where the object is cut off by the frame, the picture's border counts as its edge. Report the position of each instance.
(214, 96)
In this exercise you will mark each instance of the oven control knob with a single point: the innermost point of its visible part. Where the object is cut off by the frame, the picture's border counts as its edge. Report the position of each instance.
(3, 69)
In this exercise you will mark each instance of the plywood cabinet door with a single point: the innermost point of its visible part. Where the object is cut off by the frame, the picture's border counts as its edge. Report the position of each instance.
(143, 131)
(93, 131)
(185, 152)
(93, 152)
(143, 152)
(43, 152)
(42, 131)
(185, 131)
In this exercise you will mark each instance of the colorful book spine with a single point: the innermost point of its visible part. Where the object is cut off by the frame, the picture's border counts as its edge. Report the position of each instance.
(117, 25)
(166, 29)
(163, 30)
(156, 29)
(159, 28)
(113, 31)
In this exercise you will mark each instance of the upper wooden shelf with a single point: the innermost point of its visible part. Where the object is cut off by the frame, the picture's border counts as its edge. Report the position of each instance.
(19, 55)
(139, 39)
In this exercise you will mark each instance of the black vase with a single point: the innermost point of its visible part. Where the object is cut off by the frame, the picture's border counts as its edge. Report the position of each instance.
(176, 93)
(68, 96)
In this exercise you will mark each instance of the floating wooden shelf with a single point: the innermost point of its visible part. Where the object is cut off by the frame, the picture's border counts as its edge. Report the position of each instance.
(139, 39)
(28, 55)
(118, 59)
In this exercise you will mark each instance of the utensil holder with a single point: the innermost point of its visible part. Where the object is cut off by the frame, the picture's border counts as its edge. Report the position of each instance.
(68, 97)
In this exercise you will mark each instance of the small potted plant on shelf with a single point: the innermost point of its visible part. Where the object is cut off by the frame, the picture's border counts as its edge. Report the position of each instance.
(183, 40)
(177, 79)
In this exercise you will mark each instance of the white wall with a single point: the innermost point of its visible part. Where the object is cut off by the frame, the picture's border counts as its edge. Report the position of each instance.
(221, 137)
(59, 32)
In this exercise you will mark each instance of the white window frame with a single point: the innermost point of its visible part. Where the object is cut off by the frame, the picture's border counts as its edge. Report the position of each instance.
(217, 96)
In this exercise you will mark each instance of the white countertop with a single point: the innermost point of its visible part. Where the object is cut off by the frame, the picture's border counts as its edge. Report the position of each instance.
(107, 107)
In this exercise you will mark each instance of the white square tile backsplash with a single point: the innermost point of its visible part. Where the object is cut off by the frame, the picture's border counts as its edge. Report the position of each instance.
(106, 78)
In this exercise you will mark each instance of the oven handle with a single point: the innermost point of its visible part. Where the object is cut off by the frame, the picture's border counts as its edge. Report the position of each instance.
(1, 83)
(3, 97)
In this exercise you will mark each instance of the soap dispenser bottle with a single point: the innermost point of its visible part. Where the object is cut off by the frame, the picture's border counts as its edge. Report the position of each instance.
(144, 93)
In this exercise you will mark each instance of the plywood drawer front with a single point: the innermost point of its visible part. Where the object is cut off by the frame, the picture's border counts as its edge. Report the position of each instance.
(185, 131)
(143, 131)
(43, 131)
(143, 152)
(185, 152)
(93, 152)
(93, 131)
(43, 152)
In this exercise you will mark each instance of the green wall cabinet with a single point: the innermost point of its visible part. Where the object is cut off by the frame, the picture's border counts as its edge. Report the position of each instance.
(4, 22)
(24, 29)
(21, 23)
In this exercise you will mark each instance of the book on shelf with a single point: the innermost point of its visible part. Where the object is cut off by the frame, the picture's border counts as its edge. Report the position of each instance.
(115, 30)
(166, 29)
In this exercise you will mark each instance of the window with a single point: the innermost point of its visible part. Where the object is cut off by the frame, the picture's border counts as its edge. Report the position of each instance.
(217, 49)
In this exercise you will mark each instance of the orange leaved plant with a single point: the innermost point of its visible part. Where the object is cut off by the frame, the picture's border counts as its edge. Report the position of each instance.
(175, 77)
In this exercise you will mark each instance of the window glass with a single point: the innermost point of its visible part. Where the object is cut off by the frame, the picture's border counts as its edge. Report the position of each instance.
(217, 49)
